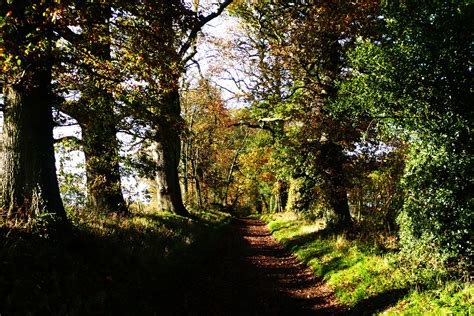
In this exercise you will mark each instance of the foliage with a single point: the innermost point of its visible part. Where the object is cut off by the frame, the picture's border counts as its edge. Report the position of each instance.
(415, 83)
(293, 52)
(211, 147)
(438, 209)
(451, 298)
(256, 175)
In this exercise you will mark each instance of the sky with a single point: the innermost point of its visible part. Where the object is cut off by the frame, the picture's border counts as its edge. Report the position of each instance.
(212, 58)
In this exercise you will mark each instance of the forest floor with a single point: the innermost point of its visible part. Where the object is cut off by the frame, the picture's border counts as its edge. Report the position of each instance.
(157, 264)
(154, 263)
(251, 274)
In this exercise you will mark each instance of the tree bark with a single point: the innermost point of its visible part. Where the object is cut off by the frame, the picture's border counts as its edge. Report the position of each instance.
(95, 114)
(340, 206)
(29, 185)
(336, 188)
(166, 154)
(280, 196)
(28, 182)
(184, 163)
(100, 146)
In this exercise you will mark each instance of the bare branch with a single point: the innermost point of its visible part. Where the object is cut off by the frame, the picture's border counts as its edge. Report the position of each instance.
(202, 20)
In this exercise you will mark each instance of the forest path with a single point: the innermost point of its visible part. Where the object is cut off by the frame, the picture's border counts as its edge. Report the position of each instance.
(252, 274)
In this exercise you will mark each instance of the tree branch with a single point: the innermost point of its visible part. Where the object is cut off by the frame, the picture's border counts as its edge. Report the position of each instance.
(202, 20)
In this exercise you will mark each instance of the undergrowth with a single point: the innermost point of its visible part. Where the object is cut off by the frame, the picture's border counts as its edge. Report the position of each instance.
(369, 277)
(109, 265)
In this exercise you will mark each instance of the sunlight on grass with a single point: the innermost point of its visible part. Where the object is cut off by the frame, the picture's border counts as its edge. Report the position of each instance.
(362, 275)
(311, 228)
(451, 299)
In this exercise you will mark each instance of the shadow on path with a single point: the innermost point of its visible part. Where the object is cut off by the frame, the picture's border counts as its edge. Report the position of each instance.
(251, 274)
(246, 272)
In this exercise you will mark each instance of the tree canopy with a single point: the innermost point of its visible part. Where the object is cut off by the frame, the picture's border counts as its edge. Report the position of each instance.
(356, 113)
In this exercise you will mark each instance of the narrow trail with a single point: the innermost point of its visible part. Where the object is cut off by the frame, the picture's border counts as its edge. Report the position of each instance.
(252, 274)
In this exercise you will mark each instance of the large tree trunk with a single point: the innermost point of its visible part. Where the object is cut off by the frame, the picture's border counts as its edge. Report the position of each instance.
(100, 147)
(29, 185)
(28, 182)
(336, 185)
(95, 114)
(340, 206)
(104, 186)
(166, 154)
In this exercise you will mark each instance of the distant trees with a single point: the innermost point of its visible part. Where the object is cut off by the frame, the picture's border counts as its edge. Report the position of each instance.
(211, 148)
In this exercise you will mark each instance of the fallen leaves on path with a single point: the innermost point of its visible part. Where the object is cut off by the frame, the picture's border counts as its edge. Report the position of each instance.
(252, 274)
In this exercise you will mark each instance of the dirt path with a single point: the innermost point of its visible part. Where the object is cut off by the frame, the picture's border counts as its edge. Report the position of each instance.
(252, 274)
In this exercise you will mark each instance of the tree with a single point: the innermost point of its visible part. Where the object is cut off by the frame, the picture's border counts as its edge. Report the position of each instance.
(29, 186)
(135, 53)
(156, 55)
(299, 51)
(416, 83)
(206, 154)
(90, 73)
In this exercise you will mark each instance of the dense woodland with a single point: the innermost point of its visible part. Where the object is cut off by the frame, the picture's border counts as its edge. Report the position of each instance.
(356, 115)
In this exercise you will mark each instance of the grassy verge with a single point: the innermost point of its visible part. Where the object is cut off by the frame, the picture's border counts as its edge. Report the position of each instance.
(365, 278)
(137, 265)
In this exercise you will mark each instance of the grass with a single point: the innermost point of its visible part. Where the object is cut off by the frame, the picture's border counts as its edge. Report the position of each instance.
(369, 278)
(450, 299)
(136, 265)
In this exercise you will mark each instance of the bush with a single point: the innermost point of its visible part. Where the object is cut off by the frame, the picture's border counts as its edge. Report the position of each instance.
(437, 213)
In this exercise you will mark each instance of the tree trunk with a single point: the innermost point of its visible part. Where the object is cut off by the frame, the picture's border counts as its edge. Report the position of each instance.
(29, 185)
(336, 189)
(280, 195)
(166, 154)
(184, 163)
(104, 186)
(340, 206)
(95, 113)
(28, 181)
(198, 191)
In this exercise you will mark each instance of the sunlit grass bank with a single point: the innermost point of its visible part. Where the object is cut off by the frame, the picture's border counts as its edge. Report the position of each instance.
(109, 266)
(366, 277)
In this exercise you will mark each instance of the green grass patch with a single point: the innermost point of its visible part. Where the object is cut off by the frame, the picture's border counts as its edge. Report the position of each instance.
(452, 298)
(136, 265)
(366, 278)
